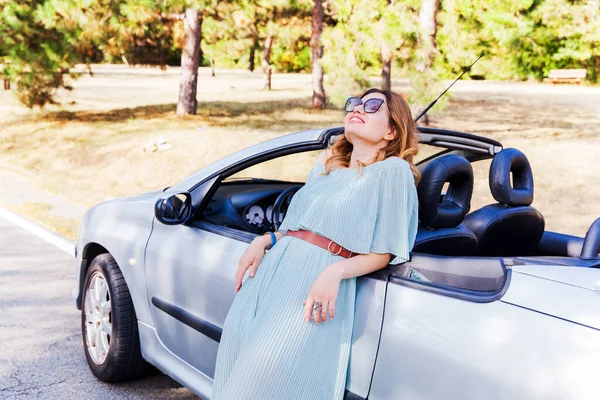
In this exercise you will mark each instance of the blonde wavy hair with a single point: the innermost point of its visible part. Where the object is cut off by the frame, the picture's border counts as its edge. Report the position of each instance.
(404, 145)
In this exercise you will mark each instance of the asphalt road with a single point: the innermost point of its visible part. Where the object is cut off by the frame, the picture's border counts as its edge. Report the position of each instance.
(41, 354)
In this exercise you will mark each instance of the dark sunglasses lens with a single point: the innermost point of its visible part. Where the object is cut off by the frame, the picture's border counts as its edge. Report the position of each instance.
(351, 103)
(372, 105)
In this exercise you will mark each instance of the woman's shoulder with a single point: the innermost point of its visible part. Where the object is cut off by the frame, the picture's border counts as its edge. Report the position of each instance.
(394, 170)
(395, 162)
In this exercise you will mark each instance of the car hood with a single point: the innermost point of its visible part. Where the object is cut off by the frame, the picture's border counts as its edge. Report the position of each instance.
(150, 196)
(139, 207)
(569, 293)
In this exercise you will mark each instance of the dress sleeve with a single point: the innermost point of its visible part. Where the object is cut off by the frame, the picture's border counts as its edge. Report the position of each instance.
(397, 213)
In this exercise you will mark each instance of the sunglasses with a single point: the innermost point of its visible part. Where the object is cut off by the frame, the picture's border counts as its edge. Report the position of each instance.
(370, 106)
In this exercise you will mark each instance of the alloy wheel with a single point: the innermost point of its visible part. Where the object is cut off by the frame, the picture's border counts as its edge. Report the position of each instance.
(98, 320)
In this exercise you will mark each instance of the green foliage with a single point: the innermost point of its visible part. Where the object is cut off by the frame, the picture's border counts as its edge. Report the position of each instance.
(521, 38)
(40, 40)
(426, 86)
(36, 48)
(352, 45)
(292, 59)
(560, 34)
(237, 27)
(132, 31)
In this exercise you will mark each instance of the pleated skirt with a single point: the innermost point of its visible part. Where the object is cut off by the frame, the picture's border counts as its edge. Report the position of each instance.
(268, 351)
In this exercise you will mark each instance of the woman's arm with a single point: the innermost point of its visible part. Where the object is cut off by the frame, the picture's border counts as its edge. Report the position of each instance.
(266, 239)
(279, 235)
(361, 264)
(326, 286)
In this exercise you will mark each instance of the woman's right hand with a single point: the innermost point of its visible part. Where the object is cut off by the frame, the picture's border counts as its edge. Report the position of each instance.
(250, 259)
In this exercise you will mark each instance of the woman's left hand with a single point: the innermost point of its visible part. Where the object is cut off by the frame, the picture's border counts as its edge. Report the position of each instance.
(324, 289)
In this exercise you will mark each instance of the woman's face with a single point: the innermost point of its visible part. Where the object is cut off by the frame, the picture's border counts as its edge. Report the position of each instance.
(370, 127)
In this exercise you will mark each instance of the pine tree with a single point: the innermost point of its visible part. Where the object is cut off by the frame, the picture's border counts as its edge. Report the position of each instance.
(36, 43)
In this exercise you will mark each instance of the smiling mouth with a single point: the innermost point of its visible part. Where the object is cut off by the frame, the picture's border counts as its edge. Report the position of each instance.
(356, 120)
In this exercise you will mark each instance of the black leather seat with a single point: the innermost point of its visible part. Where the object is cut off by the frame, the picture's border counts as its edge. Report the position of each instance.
(512, 227)
(440, 229)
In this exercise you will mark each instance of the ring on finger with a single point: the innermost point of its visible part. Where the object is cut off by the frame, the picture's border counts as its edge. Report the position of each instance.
(317, 306)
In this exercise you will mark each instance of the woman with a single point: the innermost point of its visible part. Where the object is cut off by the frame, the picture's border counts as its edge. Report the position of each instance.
(288, 333)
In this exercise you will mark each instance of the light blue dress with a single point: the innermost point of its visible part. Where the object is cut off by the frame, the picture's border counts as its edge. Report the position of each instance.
(268, 351)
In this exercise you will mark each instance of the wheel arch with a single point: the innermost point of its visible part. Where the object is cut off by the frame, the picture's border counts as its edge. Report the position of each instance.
(134, 276)
(90, 251)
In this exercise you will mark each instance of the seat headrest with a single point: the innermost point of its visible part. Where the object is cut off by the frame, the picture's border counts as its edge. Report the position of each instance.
(520, 193)
(457, 171)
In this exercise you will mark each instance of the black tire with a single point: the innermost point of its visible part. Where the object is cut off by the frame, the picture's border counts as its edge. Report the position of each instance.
(123, 361)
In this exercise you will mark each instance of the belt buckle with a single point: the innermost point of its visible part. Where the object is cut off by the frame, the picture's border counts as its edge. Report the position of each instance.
(329, 248)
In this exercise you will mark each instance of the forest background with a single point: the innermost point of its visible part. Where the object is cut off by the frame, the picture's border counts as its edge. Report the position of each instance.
(427, 40)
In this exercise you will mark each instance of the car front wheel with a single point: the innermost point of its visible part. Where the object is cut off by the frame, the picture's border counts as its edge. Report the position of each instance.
(109, 324)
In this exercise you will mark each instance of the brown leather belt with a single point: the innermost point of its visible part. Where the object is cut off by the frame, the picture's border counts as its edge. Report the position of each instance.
(322, 242)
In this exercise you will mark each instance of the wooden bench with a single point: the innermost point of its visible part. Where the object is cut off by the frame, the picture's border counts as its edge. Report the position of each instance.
(566, 76)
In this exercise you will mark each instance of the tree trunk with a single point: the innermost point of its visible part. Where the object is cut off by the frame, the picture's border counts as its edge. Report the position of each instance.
(190, 59)
(316, 52)
(266, 61)
(427, 28)
(386, 67)
(251, 59)
(253, 52)
(386, 62)
(212, 65)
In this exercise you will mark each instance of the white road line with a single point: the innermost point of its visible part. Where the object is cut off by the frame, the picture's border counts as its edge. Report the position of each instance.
(38, 231)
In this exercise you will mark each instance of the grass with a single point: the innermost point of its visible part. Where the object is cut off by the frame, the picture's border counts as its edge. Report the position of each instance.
(42, 213)
(82, 154)
(91, 148)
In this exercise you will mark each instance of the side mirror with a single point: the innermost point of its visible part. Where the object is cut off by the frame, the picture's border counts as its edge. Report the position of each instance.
(175, 209)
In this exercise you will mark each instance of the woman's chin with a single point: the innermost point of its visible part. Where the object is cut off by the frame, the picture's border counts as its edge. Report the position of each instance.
(355, 131)
(352, 130)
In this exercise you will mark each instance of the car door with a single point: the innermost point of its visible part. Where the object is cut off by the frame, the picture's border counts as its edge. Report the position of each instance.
(439, 311)
(190, 269)
(469, 328)
(191, 272)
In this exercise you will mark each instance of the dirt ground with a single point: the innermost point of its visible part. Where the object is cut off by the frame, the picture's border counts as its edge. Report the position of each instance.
(90, 148)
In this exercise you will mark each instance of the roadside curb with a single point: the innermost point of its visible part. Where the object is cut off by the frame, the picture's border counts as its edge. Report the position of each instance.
(56, 239)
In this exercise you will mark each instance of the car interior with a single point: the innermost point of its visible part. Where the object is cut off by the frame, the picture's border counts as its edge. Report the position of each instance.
(510, 229)
(246, 205)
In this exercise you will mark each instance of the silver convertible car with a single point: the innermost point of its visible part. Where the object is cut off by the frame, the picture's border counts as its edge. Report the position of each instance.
(490, 306)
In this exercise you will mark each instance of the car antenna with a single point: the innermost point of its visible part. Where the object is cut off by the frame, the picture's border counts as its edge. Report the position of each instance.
(435, 101)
